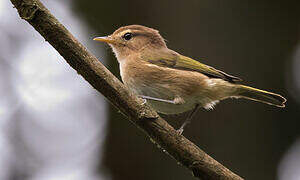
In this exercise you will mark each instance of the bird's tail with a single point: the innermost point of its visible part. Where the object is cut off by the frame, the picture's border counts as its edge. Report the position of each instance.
(261, 96)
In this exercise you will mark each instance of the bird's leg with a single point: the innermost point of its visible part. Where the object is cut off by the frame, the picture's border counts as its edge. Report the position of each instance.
(188, 119)
(175, 101)
(144, 101)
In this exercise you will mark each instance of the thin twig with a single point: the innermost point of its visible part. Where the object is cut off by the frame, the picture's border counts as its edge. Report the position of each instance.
(87, 65)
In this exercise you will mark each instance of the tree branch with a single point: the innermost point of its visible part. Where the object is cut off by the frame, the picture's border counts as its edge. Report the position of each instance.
(87, 65)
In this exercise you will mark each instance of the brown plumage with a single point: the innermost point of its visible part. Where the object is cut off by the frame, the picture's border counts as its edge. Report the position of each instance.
(150, 69)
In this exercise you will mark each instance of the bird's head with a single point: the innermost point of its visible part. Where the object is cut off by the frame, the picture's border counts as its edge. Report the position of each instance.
(133, 39)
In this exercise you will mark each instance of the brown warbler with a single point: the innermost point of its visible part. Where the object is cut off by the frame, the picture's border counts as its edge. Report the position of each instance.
(173, 83)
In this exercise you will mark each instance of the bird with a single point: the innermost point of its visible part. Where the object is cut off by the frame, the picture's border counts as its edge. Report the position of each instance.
(173, 83)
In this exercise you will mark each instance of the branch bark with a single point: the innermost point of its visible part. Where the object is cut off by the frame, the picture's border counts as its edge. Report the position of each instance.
(87, 65)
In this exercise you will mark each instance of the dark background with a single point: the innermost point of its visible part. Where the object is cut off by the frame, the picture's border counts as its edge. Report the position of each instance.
(53, 123)
(251, 39)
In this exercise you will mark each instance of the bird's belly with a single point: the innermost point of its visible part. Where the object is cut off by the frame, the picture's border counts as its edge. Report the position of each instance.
(161, 91)
(167, 108)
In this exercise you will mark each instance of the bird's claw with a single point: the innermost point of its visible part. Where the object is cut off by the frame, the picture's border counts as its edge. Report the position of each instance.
(180, 131)
(144, 101)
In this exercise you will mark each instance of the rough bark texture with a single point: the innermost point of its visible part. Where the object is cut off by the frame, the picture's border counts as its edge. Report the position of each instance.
(87, 65)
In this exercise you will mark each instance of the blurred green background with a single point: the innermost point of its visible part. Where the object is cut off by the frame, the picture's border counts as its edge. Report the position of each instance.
(254, 40)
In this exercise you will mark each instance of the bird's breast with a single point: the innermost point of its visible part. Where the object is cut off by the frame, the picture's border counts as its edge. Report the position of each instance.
(146, 80)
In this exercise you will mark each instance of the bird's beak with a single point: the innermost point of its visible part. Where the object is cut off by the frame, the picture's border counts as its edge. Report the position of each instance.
(106, 39)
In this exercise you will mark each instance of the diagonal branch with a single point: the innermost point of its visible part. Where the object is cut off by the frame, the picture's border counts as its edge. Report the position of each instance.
(87, 65)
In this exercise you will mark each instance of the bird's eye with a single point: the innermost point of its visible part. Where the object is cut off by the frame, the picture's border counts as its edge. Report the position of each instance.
(127, 36)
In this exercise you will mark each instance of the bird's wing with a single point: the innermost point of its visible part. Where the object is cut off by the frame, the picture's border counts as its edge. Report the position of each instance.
(177, 61)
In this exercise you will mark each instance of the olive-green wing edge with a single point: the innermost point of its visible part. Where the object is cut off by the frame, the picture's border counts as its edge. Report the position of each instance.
(186, 63)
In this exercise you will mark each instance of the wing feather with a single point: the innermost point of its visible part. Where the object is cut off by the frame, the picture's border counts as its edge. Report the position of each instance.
(174, 60)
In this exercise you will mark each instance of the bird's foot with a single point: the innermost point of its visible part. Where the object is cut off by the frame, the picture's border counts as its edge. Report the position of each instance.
(177, 100)
(156, 99)
(144, 101)
(188, 120)
(179, 131)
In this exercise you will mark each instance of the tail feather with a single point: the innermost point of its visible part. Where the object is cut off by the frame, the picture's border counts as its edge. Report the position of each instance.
(261, 96)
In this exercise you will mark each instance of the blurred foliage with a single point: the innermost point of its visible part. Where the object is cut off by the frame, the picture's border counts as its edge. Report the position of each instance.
(251, 39)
